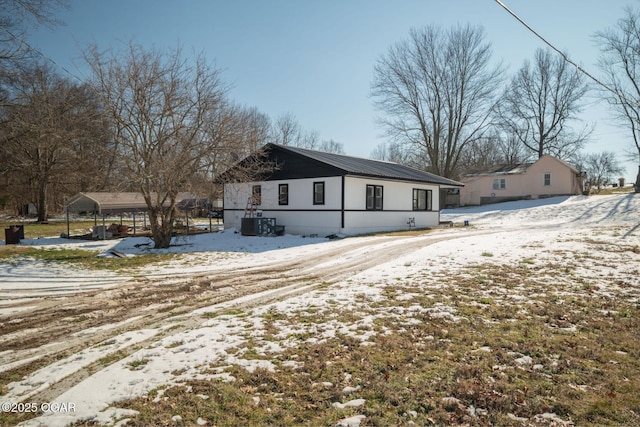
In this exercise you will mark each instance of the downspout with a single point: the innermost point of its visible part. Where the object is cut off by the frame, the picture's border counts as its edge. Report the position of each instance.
(439, 205)
(342, 208)
(68, 227)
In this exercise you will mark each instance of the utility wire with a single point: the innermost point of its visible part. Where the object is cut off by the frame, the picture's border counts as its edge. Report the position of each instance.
(564, 56)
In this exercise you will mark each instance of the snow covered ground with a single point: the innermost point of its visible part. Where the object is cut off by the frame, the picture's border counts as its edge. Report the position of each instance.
(536, 230)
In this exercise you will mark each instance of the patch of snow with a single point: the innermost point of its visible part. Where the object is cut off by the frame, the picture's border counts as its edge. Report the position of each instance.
(353, 421)
(349, 389)
(524, 360)
(527, 233)
(350, 404)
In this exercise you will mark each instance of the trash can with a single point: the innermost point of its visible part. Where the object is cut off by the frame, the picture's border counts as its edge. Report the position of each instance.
(11, 236)
(20, 230)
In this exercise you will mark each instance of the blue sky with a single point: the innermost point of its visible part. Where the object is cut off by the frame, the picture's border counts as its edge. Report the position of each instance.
(315, 58)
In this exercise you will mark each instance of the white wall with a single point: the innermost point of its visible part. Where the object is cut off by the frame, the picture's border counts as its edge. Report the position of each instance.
(397, 195)
(397, 206)
(301, 216)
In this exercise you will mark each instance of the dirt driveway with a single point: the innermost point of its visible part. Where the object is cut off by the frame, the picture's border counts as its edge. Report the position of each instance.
(46, 329)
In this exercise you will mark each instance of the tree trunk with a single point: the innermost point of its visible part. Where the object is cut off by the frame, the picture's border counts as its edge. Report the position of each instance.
(43, 212)
(540, 148)
(161, 222)
(636, 186)
(161, 238)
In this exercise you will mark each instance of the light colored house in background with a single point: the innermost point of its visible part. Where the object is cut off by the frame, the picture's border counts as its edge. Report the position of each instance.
(313, 192)
(546, 177)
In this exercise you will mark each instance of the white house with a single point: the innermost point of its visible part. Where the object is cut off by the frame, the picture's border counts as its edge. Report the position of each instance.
(313, 192)
(547, 176)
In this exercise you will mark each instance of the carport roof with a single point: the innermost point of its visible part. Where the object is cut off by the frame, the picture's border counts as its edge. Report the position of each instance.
(111, 203)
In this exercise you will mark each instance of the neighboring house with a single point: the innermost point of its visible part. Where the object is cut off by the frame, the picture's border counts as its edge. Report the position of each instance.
(548, 176)
(312, 192)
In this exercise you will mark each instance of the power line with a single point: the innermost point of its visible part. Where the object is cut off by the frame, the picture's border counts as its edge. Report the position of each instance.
(564, 56)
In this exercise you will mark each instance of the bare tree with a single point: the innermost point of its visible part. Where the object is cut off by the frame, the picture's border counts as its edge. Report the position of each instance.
(235, 133)
(511, 149)
(620, 64)
(287, 131)
(437, 90)
(481, 155)
(165, 112)
(16, 18)
(539, 104)
(255, 128)
(600, 169)
(490, 152)
(52, 137)
(383, 151)
(331, 146)
(392, 152)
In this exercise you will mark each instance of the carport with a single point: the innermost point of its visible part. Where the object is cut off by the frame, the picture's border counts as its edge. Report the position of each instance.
(108, 203)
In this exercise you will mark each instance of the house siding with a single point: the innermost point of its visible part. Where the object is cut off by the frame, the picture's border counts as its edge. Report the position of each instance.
(343, 207)
(397, 206)
(527, 185)
(563, 179)
(301, 216)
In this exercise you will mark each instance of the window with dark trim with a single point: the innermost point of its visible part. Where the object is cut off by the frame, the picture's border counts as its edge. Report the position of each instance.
(256, 195)
(422, 199)
(283, 194)
(547, 179)
(374, 197)
(318, 193)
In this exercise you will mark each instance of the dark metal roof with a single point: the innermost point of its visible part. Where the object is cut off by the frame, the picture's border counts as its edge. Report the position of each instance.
(358, 166)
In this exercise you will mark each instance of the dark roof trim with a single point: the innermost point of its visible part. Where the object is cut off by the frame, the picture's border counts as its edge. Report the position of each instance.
(357, 166)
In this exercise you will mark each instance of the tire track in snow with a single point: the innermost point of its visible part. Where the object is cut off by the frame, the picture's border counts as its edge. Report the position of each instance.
(205, 294)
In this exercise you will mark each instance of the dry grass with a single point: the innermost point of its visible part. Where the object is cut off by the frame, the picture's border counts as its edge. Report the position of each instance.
(516, 344)
(82, 258)
(34, 230)
(547, 340)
